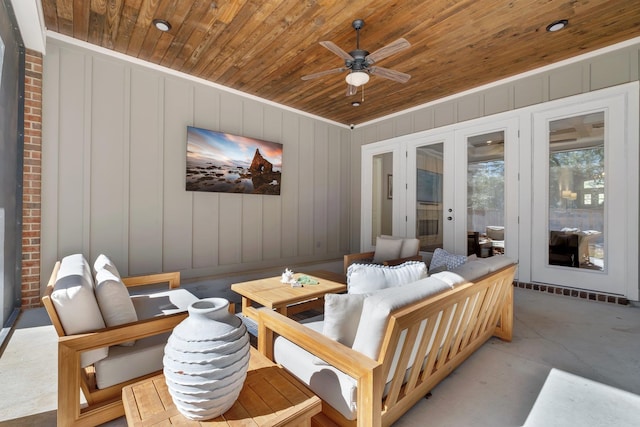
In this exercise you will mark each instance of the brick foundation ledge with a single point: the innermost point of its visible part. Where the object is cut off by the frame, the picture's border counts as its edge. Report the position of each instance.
(572, 292)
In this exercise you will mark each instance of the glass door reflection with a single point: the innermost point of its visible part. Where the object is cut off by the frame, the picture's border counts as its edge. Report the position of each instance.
(382, 196)
(429, 192)
(485, 194)
(577, 192)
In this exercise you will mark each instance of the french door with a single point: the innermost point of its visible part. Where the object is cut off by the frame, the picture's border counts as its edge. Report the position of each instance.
(486, 189)
(585, 199)
(419, 186)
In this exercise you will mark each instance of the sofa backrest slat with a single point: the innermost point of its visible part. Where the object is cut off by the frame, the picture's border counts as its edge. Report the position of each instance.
(457, 322)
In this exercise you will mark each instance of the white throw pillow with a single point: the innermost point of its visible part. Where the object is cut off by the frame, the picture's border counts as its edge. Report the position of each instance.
(444, 258)
(342, 316)
(114, 300)
(387, 249)
(75, 302)
(367, 278)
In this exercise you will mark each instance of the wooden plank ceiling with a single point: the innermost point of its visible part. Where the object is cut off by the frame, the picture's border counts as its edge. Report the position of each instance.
(264, 47)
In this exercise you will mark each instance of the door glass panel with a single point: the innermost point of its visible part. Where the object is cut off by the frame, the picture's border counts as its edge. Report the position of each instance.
(382, 197)
(577, 192)
(429, 225)
(485, 194)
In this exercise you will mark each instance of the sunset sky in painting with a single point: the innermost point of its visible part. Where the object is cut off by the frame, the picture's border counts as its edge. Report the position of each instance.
(224, 148)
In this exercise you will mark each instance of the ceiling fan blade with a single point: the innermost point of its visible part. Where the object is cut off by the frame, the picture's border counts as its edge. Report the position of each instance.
(337, 50)
(390, 74)
(351, 90)
(323, 73)
(388, 50)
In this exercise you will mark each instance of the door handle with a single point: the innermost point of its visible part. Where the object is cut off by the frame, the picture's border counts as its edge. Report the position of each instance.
(450, 218)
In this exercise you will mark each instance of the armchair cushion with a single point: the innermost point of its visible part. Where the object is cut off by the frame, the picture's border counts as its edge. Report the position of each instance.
(104, 262)
(125, 363)
(162, 303)
(410, 247)
(386, 249)
(366, 278)
(75, 302)
(114, 300)
(495, 232)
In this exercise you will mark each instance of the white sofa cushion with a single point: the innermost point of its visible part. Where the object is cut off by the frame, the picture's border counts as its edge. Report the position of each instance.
(367, 278)
(75, 303)
(328, 383)
(443, 258)
(114, 300)
(387, 249)
(496, 262)
(377, 308)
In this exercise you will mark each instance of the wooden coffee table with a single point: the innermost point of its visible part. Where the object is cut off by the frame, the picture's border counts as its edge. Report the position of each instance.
(270, 397)
(287, 300)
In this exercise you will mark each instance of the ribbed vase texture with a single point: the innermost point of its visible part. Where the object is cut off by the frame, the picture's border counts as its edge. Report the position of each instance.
(206, 360)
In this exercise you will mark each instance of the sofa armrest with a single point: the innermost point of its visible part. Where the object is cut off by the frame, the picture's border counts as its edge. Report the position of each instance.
(351, 258)
(367, 372)
(173, 278)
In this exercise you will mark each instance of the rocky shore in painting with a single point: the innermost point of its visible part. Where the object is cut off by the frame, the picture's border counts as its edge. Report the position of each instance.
(259, 178)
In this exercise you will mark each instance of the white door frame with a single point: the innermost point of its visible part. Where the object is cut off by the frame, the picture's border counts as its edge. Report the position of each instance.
(621, 189)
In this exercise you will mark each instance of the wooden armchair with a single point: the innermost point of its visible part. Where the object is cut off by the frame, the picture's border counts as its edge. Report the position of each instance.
(102, 404)
(389, 251)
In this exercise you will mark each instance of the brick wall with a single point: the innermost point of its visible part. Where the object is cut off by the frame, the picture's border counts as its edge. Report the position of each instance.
(32, 180)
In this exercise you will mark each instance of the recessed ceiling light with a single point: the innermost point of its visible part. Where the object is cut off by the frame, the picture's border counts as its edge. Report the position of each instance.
(355, 104)
(557, 25)
(162, 25)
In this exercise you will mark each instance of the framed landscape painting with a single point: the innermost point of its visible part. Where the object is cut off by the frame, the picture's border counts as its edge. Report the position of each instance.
(225, 163)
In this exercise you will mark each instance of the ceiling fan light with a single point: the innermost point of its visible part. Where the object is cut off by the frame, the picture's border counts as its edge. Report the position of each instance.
(357, 78)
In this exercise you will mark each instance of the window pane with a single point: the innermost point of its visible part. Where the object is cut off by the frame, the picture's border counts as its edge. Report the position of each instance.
(382, 209)
(485, 194)
(429, 226)
(576, 180)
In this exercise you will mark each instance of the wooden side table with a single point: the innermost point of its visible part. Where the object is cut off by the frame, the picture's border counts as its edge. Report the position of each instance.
(270, 397)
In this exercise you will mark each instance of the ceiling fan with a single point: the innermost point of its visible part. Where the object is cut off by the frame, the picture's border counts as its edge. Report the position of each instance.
(360, 63)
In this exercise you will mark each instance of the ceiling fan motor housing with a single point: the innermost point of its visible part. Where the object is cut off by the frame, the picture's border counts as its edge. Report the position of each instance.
(358, 63)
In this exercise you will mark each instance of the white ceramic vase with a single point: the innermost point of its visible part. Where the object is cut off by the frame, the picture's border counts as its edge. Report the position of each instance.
(206, 360)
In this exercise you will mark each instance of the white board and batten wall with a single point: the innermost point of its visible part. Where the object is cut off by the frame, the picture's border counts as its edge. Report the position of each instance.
(114, 163)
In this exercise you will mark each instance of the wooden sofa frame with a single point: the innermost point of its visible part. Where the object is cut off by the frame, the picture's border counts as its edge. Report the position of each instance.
(491, 315)
(102, 404)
